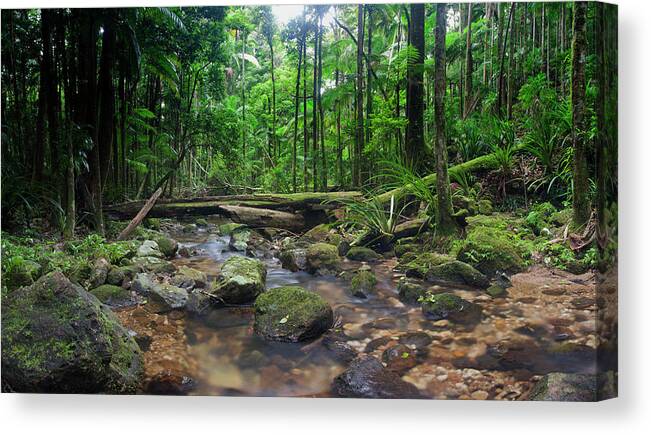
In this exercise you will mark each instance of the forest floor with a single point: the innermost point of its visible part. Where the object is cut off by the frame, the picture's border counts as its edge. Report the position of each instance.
(512, 325)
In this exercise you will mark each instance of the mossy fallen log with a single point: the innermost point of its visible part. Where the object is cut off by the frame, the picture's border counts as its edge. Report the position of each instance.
(482, 163)
(293, 211)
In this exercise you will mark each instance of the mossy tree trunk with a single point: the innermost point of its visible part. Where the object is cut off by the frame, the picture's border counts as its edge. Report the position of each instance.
(580, 200)
(445, 222)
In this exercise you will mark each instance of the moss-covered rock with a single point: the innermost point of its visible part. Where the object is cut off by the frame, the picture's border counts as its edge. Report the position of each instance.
(457, 272)
(451, 307)
(491, 249)
(293, 256)
(417, 266)
(229, 228)
(149, 248)
(360, 253)
(410, 290)
(21, 274)
(112, 295)
(58, 338)
(99, 273)
(166, 297)
(402, 249)
(322, 259)
(201, 222)
(118, 274)
(241, 280)
(363, 283)
(239, 240)
(167, 246)
(540, 216)
(189, 278)
(291, 314)
(154, 265)
(320, 233)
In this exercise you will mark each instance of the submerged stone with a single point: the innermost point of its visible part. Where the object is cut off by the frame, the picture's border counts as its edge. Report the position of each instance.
(366, 377)
(565, 387)
(451, 307)
(58, 338)
(291, 314)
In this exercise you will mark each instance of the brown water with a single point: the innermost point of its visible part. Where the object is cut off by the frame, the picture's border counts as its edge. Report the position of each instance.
(546, 324)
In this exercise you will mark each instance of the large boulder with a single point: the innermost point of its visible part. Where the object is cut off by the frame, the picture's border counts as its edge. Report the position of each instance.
(493, 248)
(451, 307)
(457, 272)
(241, 280)
(367, 378)
(565, 387)
(291, 314)
(322, 259)
(58, 338)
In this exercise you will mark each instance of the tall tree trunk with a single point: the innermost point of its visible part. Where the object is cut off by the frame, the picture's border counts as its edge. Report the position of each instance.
(511, 73)
(324, 162)
(315, 118)
(580, 201)
(369, 75)
(274, 139)
(243, 85)
(415, 145)
(601, 143)
(306, 139)
(359, 136)
(445, 222)
(469, 66)
(106, 124)
(500, 84)
(296, 100)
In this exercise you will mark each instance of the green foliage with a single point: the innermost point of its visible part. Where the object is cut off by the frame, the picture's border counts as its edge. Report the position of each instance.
(540, 216)
(372, 216)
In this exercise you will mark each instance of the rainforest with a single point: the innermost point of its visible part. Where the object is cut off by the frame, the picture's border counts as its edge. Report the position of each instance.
(353, 200)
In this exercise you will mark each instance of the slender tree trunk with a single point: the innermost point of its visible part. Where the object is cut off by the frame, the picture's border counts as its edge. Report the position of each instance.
(324, 157)
(415, 145)
(500, 84)
(369, 75)
(469, 66)
(580, 201)
(243, 86)
(274, 139)
(296, 100)
(601, 143)
(359, 137)
(306, 139)
(445, 222)
(315, 118)
(511, 73)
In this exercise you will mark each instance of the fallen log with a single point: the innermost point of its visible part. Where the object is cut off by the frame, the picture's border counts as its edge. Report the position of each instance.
(294, 212)
(260, 217)
(141, 215)
(482, 163)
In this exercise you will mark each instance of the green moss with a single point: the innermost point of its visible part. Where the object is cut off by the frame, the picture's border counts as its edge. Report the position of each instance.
(167, 246)
(449, 306)
(360, 253)
(108, 293)
(560, 256)
(201, 222)
(363, 283)
(495, 291)
(457, 272)
(291, 313)
(540, 216)
(152, 223)
(416, 266)
(241, 280)
(410, 291)
(485, 207)
(400, 250)
(495, 243)
(229, 228)
(322, 257)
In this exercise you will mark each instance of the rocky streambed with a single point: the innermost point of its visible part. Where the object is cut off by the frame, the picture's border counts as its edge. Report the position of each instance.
(232, 311)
